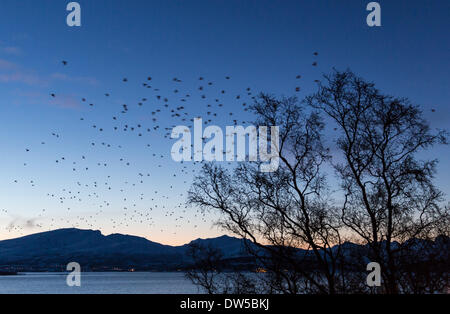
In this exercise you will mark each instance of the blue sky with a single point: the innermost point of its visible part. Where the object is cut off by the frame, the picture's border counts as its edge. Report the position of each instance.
(259, 44)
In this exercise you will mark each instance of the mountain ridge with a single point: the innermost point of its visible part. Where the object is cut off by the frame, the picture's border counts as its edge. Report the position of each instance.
(53, 250)
(40, 251)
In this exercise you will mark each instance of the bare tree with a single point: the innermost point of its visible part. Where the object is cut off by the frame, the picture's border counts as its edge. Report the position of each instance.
(389, 194)
(209, 272)
(391, 211)
(283, 211)
(206, 268)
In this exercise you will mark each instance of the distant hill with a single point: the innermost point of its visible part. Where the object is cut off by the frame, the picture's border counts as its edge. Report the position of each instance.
(231, 247)
(53, 250)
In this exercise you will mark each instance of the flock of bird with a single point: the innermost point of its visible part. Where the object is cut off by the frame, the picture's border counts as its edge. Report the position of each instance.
(140, 197)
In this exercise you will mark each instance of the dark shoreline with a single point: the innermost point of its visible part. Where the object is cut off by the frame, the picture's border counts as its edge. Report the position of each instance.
(8, 273)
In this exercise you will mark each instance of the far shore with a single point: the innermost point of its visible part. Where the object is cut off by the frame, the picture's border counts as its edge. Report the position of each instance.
(8, 273)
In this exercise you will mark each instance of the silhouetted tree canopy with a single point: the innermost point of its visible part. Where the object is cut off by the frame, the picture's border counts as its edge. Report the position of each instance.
(297, 232)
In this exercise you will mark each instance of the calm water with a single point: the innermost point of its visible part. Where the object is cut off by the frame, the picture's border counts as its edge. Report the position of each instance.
(157, 283)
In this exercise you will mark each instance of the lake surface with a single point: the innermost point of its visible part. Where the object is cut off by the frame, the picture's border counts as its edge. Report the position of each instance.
(95, 283)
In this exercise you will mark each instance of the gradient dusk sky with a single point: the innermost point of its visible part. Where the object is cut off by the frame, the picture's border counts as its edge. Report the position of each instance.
(262, 45)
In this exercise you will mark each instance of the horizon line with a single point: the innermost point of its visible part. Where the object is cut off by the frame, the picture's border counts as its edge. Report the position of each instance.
(124, 234)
